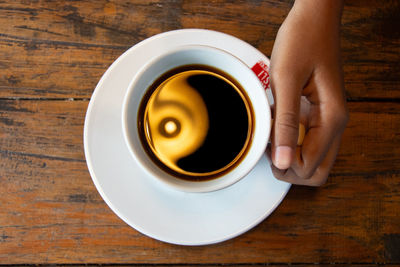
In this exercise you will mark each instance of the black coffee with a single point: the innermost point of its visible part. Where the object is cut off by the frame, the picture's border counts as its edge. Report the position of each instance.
(195, 122)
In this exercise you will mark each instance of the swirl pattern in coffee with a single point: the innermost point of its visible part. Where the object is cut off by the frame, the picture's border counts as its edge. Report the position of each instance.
(195, 122)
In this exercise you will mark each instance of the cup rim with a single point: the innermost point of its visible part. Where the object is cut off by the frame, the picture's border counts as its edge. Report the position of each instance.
(257, 149)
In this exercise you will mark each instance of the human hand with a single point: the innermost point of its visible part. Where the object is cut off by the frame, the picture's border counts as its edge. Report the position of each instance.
(306, 64)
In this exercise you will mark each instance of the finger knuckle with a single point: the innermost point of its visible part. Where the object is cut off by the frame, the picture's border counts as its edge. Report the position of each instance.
(340, 115)
(319, 178)
(312, 175)
(319, 182)
(306, 175)
(288, 121)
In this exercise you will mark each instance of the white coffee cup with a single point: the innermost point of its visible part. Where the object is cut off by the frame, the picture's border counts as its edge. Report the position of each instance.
(215, 58)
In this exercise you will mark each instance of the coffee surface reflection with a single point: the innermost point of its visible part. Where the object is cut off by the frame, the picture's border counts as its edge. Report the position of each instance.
(195, 123)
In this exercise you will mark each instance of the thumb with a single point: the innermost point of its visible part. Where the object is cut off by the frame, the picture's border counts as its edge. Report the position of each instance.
(287, 94)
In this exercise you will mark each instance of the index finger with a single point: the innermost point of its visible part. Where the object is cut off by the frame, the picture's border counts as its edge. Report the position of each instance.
(326, 123)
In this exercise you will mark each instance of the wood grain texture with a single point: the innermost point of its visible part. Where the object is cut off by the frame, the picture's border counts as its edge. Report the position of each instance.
(61, 49)
(52, 213)
(52, 54)
(371, 49)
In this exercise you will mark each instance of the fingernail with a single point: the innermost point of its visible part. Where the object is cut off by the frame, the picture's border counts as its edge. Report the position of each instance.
(283, 157)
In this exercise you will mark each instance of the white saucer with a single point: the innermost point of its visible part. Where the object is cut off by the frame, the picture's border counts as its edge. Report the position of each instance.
(152, 209)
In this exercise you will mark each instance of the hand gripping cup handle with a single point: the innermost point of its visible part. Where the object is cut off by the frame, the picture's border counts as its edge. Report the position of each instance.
(260, 69)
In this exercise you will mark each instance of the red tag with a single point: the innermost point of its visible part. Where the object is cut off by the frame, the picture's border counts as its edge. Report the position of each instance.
(261, 70)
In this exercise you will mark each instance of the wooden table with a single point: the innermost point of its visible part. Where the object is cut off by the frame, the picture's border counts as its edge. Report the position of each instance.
(52, 55)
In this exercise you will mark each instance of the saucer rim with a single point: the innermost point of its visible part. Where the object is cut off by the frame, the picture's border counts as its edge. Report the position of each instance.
(89, 159)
